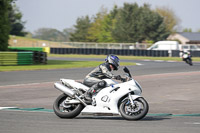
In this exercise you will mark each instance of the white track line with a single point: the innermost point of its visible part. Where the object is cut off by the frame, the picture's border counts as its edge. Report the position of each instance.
(1, 108)
(139, 64)
(25, 84)
(159, 60)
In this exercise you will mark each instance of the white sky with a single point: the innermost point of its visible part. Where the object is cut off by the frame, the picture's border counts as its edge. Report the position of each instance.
(61, 14)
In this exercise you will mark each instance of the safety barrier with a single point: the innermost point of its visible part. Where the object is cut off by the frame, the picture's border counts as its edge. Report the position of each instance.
(175, 53)
(16, 58)
(127, 52)
(39, 53)
(40, 57)
(23, 58)
(40, 49)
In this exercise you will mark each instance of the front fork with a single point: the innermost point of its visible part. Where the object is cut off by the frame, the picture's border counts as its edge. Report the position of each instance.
(130, 98)
(134, 105)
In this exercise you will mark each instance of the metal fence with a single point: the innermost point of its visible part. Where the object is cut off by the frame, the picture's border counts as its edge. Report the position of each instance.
(106, 45)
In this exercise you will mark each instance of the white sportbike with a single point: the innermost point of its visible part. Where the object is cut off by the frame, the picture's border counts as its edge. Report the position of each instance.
(117, 98)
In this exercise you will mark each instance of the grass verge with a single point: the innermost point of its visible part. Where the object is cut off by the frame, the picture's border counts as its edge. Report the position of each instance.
(56, 64)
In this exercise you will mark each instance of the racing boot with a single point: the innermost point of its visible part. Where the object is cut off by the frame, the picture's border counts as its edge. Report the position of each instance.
(89, 93)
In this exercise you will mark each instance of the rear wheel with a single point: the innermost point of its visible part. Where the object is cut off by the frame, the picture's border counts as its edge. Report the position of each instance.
(66, 111)
(136, 111)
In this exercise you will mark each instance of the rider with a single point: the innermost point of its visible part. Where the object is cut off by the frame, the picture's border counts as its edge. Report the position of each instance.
(184, 54)
(95, 78)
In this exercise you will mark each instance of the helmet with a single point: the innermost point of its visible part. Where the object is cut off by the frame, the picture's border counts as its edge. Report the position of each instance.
(113, 60)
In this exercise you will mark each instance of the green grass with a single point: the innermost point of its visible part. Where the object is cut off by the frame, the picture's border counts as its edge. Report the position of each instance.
(122, 57)
(56, 64)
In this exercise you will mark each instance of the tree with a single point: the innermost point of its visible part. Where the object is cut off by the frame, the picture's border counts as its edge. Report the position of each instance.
(170, 18)
(106, 30)
(125, 29)
(81, 30)
(187, 30)
(136, 24)
(94, 30)
(100, 30)
(130, 23)
(67, 32)
(107, 26)
(153, 25)
(5, 6)
(49, 34)
(17, 25)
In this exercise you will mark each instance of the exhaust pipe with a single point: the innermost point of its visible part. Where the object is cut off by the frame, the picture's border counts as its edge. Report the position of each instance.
(68, 91)
(64, 89)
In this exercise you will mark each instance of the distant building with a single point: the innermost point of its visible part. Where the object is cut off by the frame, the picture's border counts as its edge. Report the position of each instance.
(186, 37)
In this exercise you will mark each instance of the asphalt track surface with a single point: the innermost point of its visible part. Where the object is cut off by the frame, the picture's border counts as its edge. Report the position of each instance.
(171, 89)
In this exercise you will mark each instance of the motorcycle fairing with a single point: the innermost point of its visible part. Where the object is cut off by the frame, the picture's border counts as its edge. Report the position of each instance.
(107, 99)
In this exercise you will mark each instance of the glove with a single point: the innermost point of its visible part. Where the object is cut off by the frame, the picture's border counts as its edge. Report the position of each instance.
(118, 77)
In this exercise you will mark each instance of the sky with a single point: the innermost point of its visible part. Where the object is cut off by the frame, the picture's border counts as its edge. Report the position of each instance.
(61, 14)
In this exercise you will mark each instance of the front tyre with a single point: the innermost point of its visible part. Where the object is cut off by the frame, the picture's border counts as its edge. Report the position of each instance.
(66, 111)
(136, 111)
(190, 62)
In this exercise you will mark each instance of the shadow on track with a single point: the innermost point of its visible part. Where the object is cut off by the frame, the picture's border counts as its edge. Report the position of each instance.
(147, 118)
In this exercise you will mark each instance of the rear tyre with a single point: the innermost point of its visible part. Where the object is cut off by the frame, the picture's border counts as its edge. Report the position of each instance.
(66, 111)
(136, 112)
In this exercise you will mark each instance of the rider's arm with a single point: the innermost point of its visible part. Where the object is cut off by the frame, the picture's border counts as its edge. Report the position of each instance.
(106, 72)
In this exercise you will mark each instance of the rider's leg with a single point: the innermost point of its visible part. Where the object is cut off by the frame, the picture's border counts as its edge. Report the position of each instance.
(93, 89)
(89, 93)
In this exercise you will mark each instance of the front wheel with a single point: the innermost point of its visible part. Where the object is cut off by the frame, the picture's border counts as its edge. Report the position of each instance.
(136, 111)
(190, 62)
(66, 111)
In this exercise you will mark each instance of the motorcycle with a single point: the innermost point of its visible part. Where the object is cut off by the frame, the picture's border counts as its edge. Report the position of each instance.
(115, 99)
(187, 58)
